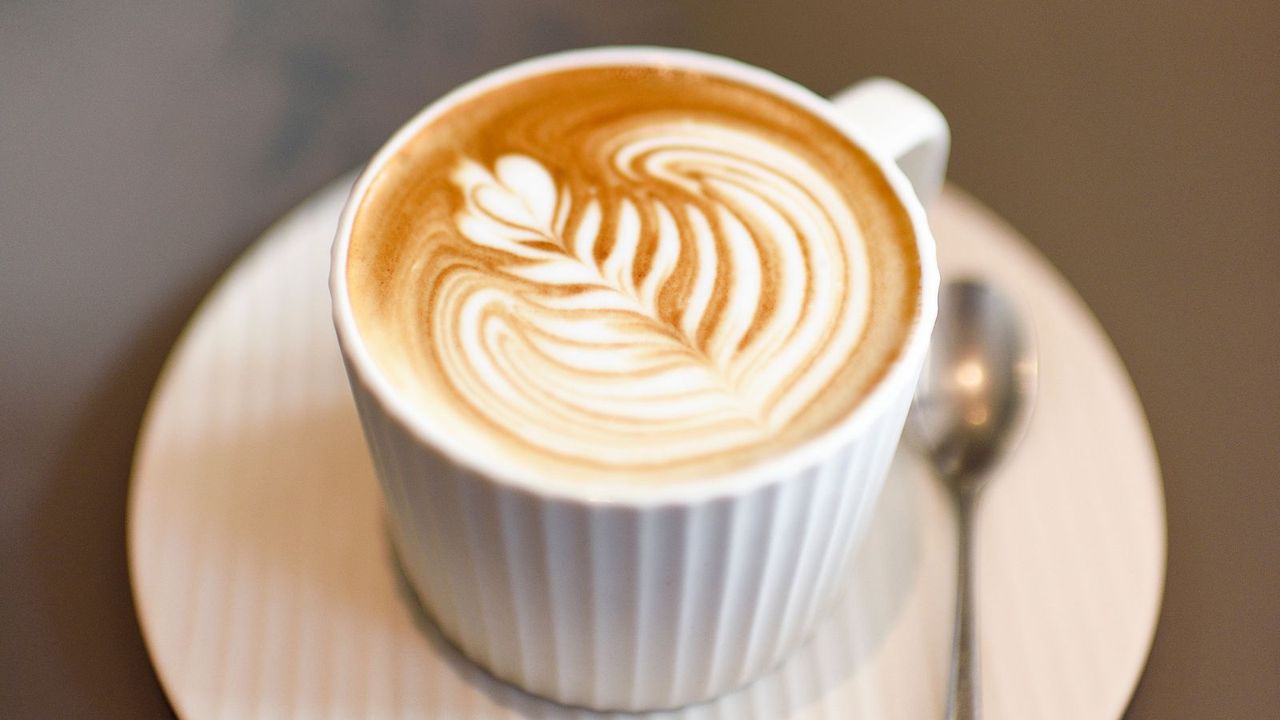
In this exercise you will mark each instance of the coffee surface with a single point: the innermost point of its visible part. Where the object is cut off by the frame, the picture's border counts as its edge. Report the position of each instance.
(631, 273)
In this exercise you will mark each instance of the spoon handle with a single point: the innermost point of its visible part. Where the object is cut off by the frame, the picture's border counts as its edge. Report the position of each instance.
(963, 690)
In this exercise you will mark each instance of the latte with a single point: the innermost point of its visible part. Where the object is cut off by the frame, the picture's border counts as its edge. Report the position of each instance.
(631, 273)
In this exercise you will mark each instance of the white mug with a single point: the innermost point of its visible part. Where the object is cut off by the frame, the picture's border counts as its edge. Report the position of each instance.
(639, 597)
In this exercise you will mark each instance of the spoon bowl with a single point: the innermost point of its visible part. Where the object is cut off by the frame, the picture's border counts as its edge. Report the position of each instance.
(975, 393)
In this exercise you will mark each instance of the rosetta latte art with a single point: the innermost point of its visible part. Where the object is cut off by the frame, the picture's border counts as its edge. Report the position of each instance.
(693, 304)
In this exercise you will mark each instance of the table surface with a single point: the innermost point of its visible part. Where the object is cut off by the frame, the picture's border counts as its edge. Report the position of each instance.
(144, 146)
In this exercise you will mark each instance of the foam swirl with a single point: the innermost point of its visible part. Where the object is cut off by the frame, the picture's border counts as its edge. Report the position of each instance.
(693, 301)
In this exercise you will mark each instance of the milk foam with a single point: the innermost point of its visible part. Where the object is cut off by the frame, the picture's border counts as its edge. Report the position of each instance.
(670, 295)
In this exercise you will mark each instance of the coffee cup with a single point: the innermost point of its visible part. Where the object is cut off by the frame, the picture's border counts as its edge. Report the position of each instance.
(632, 334)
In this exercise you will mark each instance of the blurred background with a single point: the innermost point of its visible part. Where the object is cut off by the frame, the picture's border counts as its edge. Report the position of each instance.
(144, 145)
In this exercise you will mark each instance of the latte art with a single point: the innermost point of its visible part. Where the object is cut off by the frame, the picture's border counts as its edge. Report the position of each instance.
(605, 320)
(626, 287)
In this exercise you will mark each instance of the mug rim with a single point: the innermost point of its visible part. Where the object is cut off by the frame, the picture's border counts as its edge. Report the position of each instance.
(776, 467)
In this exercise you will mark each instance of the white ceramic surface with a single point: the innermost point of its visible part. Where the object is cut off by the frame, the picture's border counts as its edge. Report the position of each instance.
(629, 595)
(266, 586)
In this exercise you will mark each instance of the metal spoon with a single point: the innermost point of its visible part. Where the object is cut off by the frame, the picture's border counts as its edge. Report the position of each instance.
(972, 404)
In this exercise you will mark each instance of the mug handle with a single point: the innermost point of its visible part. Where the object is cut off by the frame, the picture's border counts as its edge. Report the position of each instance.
(902, 123)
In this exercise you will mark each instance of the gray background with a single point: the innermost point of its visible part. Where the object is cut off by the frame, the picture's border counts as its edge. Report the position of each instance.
(144, 145)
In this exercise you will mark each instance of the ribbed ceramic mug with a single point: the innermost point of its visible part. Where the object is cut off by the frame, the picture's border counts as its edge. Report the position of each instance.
(641, 596)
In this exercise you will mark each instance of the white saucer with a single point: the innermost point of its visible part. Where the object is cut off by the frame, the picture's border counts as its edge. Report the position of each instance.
(265, 586)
